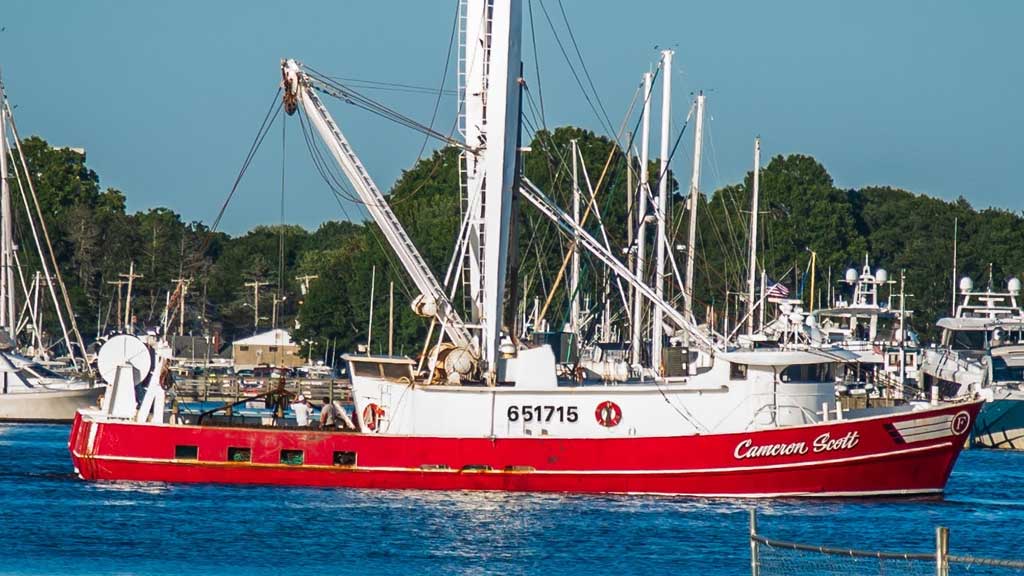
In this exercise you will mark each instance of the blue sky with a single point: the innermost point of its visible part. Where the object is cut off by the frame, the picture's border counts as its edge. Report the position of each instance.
(167, 96)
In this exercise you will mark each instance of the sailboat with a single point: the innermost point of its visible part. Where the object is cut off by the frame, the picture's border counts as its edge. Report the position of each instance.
(29, 391)
(484, 411)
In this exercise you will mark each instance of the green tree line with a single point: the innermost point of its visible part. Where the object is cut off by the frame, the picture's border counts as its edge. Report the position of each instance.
(802, 210)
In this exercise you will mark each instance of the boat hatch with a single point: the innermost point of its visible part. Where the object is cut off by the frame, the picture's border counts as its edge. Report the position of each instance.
(292, 457)
(343, 458)
(236, 454)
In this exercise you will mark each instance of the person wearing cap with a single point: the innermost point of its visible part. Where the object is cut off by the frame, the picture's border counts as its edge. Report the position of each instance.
(302, 411)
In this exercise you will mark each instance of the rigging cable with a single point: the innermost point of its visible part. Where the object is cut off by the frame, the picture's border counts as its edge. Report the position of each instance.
(280, 239)
(444, 77)
(579, 55)
(600, 119)
(339, 192)
(536, 66)
(325, 85)
(275, 109)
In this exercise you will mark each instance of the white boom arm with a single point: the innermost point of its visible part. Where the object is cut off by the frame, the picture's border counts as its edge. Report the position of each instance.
(300, 87)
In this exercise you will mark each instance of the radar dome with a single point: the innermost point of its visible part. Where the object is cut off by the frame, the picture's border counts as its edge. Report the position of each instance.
(1013, 285)
(851, 275)
(966, 284)
(881, 275)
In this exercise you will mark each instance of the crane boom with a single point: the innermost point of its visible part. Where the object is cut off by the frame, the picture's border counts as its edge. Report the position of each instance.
(299, 89)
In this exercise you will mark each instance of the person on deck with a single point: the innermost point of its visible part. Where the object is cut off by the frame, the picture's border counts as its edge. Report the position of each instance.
(302, 411)
(328, 415)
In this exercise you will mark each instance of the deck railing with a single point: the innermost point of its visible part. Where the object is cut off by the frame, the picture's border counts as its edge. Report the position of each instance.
(233, 389)
(769, 556)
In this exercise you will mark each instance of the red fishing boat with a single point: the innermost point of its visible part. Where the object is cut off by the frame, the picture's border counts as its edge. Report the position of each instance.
(692, 412)
(912, 453)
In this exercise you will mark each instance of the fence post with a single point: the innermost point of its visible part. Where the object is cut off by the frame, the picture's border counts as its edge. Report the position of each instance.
(755, 561)
(941, 551)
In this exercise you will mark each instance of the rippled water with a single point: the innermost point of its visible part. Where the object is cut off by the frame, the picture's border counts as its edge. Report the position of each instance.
(54, 523)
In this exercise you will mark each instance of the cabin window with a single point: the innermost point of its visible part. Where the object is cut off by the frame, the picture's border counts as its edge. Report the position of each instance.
(968, 340)
(186, 452)
(911, 359)
(366, 369)
(1001, 372)
(382, 370)
(291, 457)
(239, 454)
(737, 371)
(273, 348)
(894, 359)
(344, 458)
(243, 348)
(395, 371)
(807, 373)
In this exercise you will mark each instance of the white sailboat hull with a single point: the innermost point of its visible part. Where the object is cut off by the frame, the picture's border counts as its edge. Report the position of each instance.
(47, 405)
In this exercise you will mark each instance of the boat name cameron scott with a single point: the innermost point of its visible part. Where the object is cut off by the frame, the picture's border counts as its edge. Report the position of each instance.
(823, 443)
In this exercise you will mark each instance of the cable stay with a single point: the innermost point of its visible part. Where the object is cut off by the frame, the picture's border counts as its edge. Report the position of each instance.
(331, 87)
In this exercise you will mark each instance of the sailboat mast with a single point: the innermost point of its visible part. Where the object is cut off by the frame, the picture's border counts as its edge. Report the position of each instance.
(764, 292)
(691, 246)
(8, 318)
(956, 226)
(641, 238)
(659, 242)
(574, 279)
(752, 263)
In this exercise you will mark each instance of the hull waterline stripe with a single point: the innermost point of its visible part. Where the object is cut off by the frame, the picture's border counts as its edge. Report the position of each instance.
(758, 495)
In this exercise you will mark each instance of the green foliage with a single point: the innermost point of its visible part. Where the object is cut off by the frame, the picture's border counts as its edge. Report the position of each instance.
(801, 209)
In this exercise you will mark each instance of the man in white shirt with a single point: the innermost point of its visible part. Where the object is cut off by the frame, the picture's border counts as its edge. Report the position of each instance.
(302, 411)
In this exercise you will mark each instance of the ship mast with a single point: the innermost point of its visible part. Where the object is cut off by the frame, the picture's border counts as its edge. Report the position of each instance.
(659, 278)
(493, 35)
(641, 236)
(691, 247)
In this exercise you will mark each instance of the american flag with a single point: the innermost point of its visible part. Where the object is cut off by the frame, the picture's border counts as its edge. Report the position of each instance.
(777, 290)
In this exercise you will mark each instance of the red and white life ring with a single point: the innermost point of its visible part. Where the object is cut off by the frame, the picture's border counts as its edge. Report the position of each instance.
(371, 416)
(608, 414)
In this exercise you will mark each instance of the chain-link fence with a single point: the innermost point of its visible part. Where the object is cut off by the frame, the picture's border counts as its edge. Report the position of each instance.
(769, 557)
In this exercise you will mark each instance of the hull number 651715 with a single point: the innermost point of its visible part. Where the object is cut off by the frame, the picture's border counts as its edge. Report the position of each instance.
(541, 413)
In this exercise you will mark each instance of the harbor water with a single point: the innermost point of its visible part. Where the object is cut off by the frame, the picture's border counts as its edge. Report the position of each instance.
(54, 523)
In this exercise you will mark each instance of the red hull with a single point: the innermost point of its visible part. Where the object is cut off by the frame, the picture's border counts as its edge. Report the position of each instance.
(911, 453)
